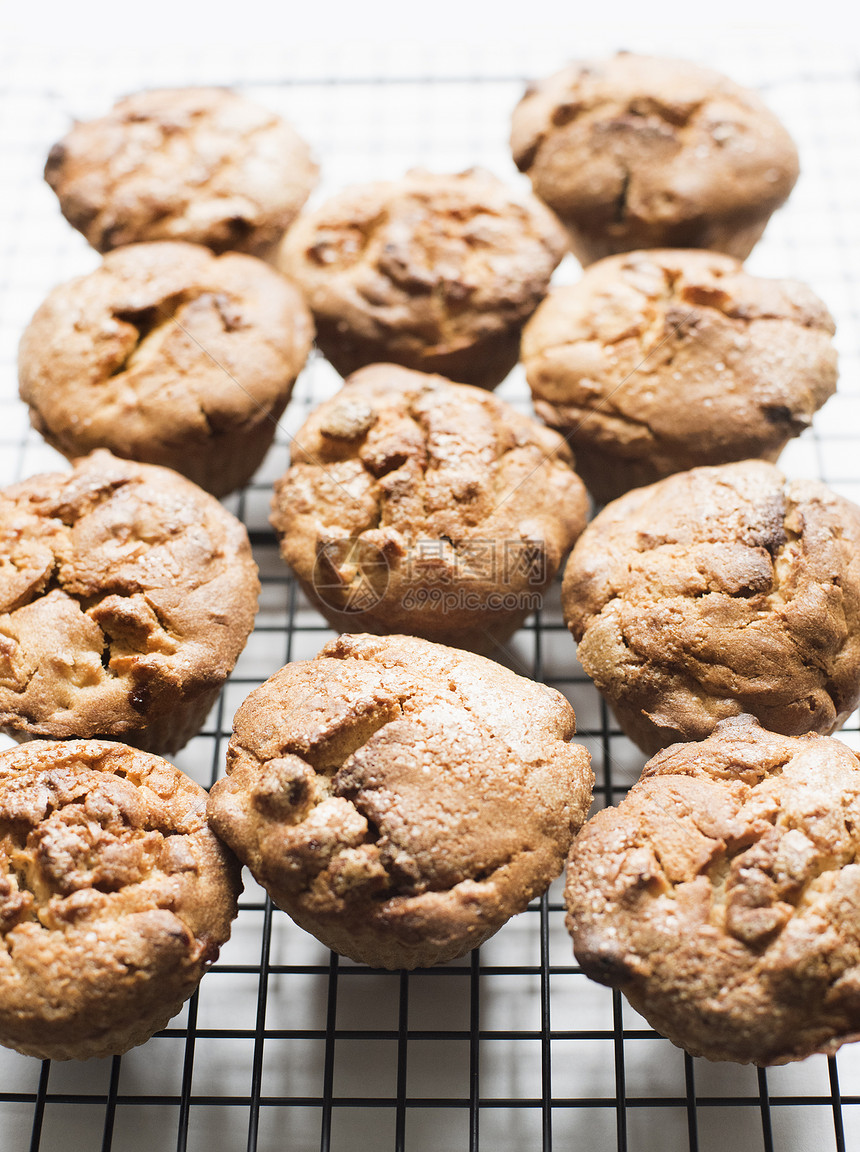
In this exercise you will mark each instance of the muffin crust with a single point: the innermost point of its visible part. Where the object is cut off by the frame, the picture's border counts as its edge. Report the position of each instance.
(716, 592)
(640, 152)
(722, 895)
(399, 799)
(169, 355)
(434, 272)
(199, 164)
(126, 595)
(660, 361)
(416, 505)
(114, 896)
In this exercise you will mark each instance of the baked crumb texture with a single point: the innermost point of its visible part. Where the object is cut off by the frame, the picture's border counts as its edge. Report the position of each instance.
(717, 592)
(399, 799)
(655, 362)
(641, 152)
(199, 164)
(420, 506)
(126, 595)
(435, 272)
(170, 355)
(114, 896)
(722, 895)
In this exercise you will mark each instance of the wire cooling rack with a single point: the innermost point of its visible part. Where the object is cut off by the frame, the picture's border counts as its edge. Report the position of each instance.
(286, 1047)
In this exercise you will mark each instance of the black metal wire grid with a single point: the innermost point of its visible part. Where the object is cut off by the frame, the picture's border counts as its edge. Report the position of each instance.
(286, 1046)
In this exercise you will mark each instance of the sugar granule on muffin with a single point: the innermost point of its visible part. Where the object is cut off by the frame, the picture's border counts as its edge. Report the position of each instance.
(722, 895)
(659, 361)
(416, 505)
(201, 164)
(126, 596)
(434, 272)
(170, 355)
(115, 896)
(642, 152)
(399, 799)
(716, 592)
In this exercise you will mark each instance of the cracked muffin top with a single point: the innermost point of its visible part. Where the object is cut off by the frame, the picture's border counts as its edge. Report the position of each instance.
(416, 505)
(400, 799)
(126, 595)
(716, 592)
(435, 272)
(722, 895)
(641, 152)
(659, 361)
(169, 355)
(199, 164)
(114, 896)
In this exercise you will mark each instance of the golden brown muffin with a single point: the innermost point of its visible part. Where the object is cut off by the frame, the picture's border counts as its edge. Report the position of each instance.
(126, 595)
(722, 896)
(416, 505)
(659, 361)
(640, 152)
(115, 896)
(435, 272)
(716, 592)
(169, 355)
(399, 799)
(199, 164)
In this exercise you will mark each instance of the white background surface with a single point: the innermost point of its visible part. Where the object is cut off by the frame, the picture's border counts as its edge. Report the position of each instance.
(663, 24)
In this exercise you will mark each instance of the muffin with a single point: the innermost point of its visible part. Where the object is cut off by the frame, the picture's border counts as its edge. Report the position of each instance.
(170, 355)
(416, 505)
(199, 164)
(399, 799)
(115, 896)
(435, 272)
(126, 595)
(655, 362)
(721, 895)
(640, 152)
(716, 592)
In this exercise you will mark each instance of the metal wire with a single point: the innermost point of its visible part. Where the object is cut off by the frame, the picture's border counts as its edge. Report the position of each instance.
(287, 1047)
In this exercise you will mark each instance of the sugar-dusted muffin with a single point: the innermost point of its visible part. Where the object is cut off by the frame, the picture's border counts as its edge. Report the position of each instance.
(722, 895)
(435, 272)
(115, 896)
(659, 361)
(201, 164)
(640, 152)
(716, 592)
(126, 595)
(416, 505)
(399, 799)
(170, 355)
